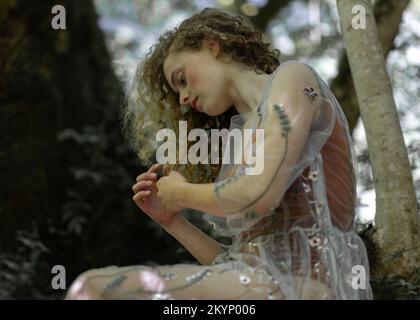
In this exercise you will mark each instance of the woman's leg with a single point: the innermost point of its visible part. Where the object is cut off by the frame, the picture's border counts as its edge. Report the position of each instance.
(182, 281)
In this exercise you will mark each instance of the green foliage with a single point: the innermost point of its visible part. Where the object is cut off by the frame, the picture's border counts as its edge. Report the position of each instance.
(19, 271)
(65, 192)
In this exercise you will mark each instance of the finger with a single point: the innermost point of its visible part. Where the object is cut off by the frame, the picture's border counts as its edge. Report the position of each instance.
(166, 169)
(140, 195)
(155, 167)
(160, 181)
(142, 185)
(146, 176)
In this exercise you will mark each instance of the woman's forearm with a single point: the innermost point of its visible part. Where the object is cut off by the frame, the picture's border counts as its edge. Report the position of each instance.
(199, 244)
(200, 197)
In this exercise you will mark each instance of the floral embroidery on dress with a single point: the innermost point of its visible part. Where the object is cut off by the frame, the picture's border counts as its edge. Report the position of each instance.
(294, 235)
(244, 279)
(306, 187)
(197, 277)
(314, 242)
(169, 276)
(313, 175)
(311, 93)
(212, 225)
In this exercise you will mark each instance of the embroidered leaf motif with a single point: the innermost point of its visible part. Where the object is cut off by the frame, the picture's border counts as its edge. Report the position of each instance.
(251, 215)
(284, 120)
(115, 283)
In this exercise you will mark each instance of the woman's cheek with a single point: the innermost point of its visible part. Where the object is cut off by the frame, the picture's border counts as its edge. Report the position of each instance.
(192, 79)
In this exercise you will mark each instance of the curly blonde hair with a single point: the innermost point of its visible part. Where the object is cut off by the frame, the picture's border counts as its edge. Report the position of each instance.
(153, 105)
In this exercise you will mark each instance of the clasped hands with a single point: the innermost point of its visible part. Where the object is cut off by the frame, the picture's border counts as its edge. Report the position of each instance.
(169, 190)
(161, 199)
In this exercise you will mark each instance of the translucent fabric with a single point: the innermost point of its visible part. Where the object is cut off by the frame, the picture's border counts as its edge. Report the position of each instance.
(297, 218)
(292, 225)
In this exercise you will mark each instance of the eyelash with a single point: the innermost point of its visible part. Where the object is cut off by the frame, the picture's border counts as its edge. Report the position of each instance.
(182, 79)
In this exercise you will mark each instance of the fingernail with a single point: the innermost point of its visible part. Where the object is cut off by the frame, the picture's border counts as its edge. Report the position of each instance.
(149, 182)
(153, 175)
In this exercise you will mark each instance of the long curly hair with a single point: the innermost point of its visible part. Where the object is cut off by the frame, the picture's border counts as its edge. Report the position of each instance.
(152, 104)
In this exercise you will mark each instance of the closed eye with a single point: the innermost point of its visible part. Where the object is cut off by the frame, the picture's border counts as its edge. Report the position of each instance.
(181, 80)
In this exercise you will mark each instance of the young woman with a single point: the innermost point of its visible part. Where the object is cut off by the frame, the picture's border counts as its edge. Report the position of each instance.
(291, 225)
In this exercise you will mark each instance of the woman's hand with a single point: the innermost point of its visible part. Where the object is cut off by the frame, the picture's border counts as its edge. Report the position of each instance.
(146, 197)
(170, 190)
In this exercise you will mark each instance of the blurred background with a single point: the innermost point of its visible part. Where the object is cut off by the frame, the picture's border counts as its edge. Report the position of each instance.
(65, 169)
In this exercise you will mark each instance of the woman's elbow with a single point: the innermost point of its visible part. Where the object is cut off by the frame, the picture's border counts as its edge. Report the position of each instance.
(267, 204)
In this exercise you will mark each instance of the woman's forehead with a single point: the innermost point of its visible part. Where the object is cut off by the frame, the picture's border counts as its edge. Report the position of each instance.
(174, 57)
(169, 64)
(170, 60)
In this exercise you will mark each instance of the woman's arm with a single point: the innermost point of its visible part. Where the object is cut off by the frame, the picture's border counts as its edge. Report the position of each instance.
(176, 194)
(200, 197)
(199, 244)
(288, 117)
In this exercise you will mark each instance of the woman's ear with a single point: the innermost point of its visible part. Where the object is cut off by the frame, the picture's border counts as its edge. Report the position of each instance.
(212, 45)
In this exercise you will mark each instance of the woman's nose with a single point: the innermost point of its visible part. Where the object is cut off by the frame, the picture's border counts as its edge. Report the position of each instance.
(183, 99)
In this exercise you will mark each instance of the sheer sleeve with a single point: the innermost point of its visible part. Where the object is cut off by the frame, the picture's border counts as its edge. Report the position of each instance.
(286, 116)
(289, 210)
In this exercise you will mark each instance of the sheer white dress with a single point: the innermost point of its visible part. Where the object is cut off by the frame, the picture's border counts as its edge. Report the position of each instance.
(292, 225)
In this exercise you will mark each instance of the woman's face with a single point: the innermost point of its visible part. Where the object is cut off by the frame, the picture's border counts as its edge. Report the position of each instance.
(199, 79)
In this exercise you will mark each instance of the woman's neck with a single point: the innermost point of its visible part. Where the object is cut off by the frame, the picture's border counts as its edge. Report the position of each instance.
(246, 88)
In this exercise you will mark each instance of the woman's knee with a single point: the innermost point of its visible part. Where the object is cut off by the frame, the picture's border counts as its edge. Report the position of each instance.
(84, 287)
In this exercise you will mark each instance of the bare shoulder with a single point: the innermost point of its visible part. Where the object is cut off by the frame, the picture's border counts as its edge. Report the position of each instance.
(296, 79)
(296, 72)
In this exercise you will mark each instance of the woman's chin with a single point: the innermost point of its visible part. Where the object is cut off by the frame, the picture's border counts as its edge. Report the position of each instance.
(212, 112)
(204, 110)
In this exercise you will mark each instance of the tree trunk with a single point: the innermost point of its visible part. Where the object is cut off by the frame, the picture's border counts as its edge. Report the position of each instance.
(50, 80)
(388, 15)
(395, 240)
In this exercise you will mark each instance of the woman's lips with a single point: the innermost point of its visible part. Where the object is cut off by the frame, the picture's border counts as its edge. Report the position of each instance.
(195, 103)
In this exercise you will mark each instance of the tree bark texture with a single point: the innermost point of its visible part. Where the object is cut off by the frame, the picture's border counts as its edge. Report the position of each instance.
(395, 239)
(388, 16)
